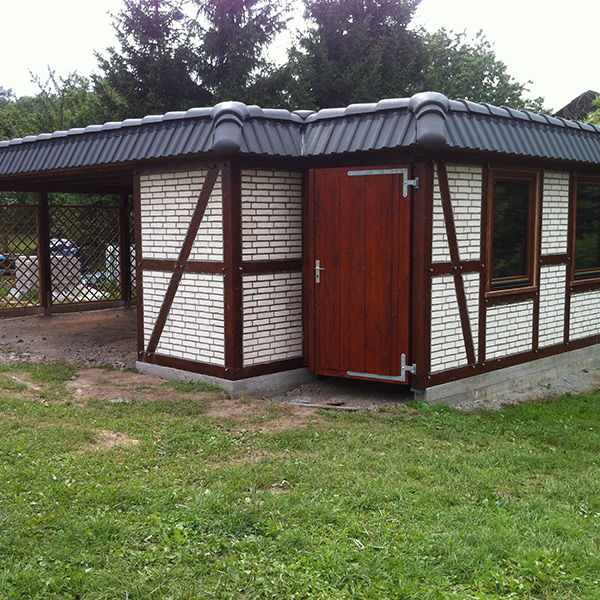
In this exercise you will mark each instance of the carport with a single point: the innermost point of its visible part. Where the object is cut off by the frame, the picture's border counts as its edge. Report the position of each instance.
(66, 236)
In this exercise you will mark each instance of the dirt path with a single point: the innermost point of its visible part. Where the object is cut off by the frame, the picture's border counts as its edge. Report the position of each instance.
(102, 337)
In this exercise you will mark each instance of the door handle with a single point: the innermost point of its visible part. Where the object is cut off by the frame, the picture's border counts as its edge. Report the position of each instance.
(318, 269)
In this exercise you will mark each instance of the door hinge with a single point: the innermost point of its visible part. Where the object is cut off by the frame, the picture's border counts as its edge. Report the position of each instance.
(404, 369)
(404, 172)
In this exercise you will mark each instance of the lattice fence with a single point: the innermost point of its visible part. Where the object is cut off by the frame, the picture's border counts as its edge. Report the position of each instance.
(83, 254)
(19, 273)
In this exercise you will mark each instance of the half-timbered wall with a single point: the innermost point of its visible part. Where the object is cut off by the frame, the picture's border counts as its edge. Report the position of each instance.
(511, 326)
(272, 238)
(194, 329)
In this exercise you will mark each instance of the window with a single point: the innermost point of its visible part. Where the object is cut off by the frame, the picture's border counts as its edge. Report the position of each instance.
(513, 215)
(587, 231)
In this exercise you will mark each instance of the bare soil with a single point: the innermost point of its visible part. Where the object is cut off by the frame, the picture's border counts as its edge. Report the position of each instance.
(108, 337)
(91, 338)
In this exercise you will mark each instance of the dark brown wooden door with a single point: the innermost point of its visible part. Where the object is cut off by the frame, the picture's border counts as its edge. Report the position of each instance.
(361, 233)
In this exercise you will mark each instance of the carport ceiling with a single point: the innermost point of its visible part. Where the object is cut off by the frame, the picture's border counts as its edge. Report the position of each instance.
(104, 179)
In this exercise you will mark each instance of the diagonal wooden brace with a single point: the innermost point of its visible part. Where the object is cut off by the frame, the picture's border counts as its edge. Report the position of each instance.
(455, 258)
(184, 254)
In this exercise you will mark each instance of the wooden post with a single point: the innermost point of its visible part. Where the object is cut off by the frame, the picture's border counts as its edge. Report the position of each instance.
(44, 264)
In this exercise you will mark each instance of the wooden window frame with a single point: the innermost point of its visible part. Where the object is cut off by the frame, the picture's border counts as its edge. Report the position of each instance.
(586, 283)
(534, 177)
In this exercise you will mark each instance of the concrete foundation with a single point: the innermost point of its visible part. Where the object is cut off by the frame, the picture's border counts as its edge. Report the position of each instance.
(264, 385)
(510, 382)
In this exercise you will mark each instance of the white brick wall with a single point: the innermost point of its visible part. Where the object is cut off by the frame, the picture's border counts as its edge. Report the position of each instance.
(465, 183)
(447, 342)
(584, 320)
(167, 204)
(195, 327)
(272, 317)
(271, 215)
(509, 329)
(555, 213)
(552, 305)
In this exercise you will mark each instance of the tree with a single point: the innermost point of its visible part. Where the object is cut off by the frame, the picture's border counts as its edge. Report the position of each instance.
(233, 36)
(355, 51)
(153, 70)
(460, 69)
(60, 104)
(594, 117)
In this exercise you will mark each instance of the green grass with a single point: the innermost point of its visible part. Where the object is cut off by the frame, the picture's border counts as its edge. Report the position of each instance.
(406, 503)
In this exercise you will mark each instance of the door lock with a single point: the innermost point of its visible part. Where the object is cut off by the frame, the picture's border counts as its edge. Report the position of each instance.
(318, 269)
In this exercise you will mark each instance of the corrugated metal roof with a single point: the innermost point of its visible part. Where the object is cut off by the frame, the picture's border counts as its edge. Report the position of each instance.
(428, 119)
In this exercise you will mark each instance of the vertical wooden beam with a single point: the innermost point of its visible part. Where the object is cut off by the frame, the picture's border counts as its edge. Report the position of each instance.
(536, 240)
(232, 258)
(44, 263)
(308, 261)
(124, 253)
(422, 223)
(455, 258)
(571, 240)
(485, 242)
(139, 287)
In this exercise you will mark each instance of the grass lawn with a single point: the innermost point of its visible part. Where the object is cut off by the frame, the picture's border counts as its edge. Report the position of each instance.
(158, 499)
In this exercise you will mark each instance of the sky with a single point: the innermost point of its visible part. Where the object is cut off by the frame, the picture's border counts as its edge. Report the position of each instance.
(554, 48)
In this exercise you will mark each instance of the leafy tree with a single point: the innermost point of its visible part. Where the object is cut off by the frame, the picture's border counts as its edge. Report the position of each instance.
(355, 51)
(152, 71)
(460, 69)
(594, 117)
(233, 36)
(60, 104)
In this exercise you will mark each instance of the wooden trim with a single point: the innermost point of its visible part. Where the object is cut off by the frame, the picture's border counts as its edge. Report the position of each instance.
(139, 273)
(45, 272)
(455, 258)
(580, 287)
(536, 251)
(464, 266)
(513, 298)
(192, 266)
(533, 226)
(554, 259)
(308, 276)
(507, 361)
(180, 165)
(260, 267)
(232, 259)
(307, 252)
(184, 365)
(219, 371)
(184, 254)
(570, 275)
(485, 265)
(422, 224)
(269, 368)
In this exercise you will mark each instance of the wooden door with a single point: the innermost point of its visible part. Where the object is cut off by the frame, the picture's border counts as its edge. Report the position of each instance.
(361, 309)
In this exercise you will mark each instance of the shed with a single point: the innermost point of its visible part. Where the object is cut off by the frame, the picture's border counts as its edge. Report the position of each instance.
(446, 245)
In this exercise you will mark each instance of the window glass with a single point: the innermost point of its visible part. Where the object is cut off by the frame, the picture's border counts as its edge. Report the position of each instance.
(587, 235)
(510, 245)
